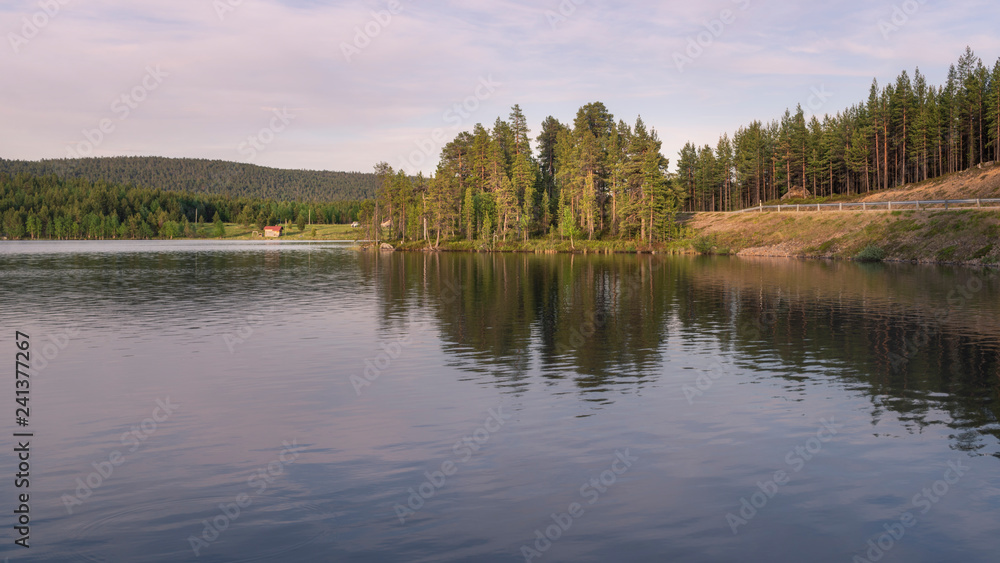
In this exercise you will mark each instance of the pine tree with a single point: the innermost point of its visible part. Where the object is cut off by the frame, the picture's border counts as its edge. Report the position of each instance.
(993, 114)
(724, 159)
(705, 178)
(219, 228)
(523, 172)
(919, 141)
(469, 215)
(902, 104)
(687, 168)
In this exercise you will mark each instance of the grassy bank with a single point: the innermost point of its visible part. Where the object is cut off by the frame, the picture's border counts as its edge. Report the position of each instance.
(965, 236)
(974, 183)
(311, 232)
(551, 245)
(930, 235)
(969, 237)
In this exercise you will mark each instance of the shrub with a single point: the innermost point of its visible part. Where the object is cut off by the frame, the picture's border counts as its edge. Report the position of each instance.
(982, 252)
(870, 253)
(709, 245)
(947, 253)
(826, 245)
(704, 244)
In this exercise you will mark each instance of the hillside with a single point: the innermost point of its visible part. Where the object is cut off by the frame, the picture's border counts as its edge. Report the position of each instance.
(935, 235)
(974, 183)
(206, 177)
(979, 182)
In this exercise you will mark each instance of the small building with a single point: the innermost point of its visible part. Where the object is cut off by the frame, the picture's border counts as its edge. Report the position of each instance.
(273, 231)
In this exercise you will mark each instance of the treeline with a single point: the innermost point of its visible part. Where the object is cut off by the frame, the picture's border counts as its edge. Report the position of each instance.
(201, 176)
(50, 207)
(907, 131)
(596, 178)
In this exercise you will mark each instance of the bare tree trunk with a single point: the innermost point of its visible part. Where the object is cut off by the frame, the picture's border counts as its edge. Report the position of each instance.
(885, 154)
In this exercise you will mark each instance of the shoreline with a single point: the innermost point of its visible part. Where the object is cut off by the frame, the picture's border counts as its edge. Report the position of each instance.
(965, 237)
(788, 249)
(676, 250)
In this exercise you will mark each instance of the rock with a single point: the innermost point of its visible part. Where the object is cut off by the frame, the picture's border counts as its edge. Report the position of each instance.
(386, 247)
(797, 193)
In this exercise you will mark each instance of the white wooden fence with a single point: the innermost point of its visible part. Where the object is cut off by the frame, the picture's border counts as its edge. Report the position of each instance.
(918, 205)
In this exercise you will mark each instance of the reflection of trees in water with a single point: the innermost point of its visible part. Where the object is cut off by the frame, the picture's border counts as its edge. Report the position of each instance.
(916, 340)
(920, 342)
(607, 320)
(160, 288)
(592, 318)
(904, 362)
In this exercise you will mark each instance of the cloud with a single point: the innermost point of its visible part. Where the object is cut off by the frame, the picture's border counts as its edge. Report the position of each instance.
(394, 89)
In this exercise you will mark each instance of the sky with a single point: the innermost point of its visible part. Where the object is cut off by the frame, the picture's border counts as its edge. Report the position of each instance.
(324, 85)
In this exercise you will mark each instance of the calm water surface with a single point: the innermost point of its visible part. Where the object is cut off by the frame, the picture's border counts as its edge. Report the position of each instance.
(306, 402)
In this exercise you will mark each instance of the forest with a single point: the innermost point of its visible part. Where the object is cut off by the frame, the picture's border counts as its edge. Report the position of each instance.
(49, 207)
(596, 178)
(906, 131)
(201, 176)
(601, 179)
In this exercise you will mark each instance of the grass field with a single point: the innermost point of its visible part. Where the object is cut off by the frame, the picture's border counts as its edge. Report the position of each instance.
(930, 235)
(311, 232)
(967, 236)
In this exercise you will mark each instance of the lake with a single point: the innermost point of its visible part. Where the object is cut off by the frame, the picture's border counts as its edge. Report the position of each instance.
(210, 401)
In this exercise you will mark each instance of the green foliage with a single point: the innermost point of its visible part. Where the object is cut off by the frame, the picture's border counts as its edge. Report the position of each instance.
(487, 231)
(827, 245)
(982, 252)
(200, 176)
(907, 131)
(946, 253)
(170, 229)
(218, 227)
(598, 179)
(703, 244)
(51, 207)
(568, 225)
(904, 226)
(709, 245)
(870, 253)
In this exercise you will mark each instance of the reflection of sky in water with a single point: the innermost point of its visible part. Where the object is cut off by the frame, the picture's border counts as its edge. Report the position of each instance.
(258, 345)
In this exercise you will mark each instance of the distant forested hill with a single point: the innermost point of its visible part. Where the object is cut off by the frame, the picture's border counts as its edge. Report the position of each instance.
(231, 179)
(49, 207)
